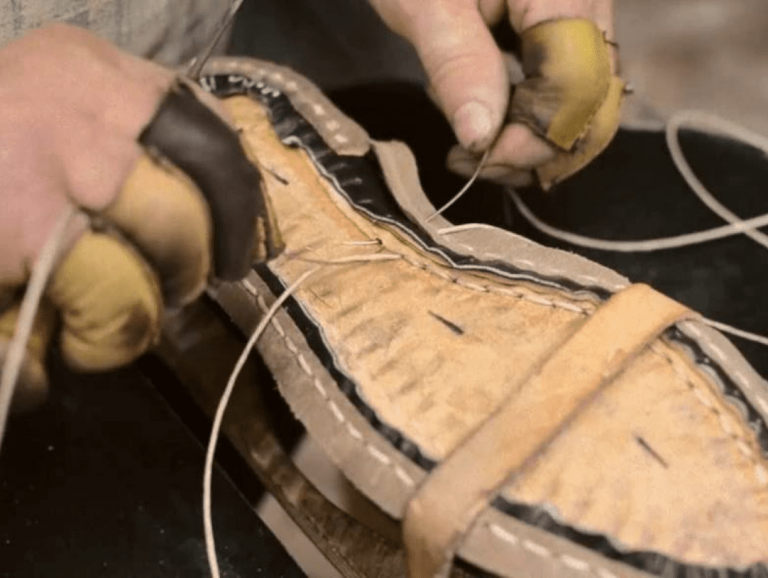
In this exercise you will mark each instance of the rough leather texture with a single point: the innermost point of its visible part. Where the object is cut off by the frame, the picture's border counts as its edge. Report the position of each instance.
(391, 364)
(540, 410)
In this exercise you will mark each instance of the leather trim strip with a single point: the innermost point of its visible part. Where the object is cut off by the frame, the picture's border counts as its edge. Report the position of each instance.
(539, 410)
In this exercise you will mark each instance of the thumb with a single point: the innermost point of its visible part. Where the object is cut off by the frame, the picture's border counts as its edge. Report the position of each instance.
(465, 67)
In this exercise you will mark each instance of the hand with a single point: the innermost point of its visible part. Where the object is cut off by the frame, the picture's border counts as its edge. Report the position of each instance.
(559, 124)
(73, 109)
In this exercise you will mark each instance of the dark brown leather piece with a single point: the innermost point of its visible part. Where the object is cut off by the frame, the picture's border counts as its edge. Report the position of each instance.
(195, 139)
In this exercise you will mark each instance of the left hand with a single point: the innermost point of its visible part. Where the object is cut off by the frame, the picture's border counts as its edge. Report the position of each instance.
(565, 112)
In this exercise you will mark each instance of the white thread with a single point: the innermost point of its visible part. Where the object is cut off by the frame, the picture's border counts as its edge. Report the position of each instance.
(336, 411)
(540, 301)
(319, 387)
(701, 120)
(341, 139)
(277, 325)
(354, 432)
(644, 246)
(292, 348)
(742, 379)
(404, 477)
(543, 552)
(378, 454)
(569, 307)
(291, 86)
(304, 365)
(725, 423)
(474, 286)
(277, 76)
(332, 125)
(734, 331)
(465, 188)
(25, 323)
(210, 543)
(318, 110)
(575, 563)
(763, 405)
(502, 534)
(536, 548)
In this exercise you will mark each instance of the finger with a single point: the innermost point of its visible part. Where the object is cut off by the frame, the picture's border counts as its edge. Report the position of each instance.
(568, 82)
(161, 211)
(109, 301)
(465, 68)
(32, 384)
(464, 163)
(196, 140)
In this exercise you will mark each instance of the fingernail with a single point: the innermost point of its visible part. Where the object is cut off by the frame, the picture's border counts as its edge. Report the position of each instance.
(472, 123)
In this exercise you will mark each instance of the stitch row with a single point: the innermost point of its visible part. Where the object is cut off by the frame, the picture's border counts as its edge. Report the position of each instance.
(534, 299)
(742, 379)
(543, 552)
(726, 424)
(373, 451)
(335, 128)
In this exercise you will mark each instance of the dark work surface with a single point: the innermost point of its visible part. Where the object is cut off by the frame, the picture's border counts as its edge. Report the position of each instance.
(631, 192)
(106, 480)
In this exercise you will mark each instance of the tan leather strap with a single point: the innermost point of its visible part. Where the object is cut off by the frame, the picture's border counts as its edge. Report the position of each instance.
(542, 406)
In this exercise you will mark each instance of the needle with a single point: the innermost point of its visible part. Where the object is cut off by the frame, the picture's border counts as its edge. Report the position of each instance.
(198, 62)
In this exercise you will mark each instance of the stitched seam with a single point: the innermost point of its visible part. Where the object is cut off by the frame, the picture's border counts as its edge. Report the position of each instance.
(725, 422)
(541, 551)
(292, 88)
(509, 291)
(742, 380)
(333, 407)
(334, 127)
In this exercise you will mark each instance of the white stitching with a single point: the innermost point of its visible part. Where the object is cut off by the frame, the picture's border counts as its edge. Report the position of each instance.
(304, 365)
(574, 563)
(725, 423)
(374, 452)
(404, 477)
(544, 552)
(319, 387)
(354, 432)
(378, 454)
(336, 411)
(536, 548)
(517, 293)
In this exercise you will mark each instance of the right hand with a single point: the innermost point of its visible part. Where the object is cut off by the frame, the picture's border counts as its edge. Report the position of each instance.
(72, 108)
